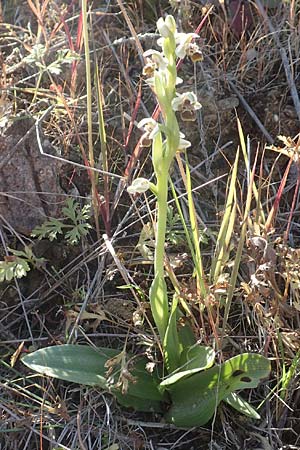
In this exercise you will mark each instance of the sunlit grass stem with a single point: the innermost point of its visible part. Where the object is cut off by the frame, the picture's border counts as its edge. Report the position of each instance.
(94, 177)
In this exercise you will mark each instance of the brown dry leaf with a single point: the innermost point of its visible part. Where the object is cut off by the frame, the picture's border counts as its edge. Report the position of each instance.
(291, 339)
(112, 363)
(146, 242)
(177, 260)
(97, 317)
(16, 354)
(291, 149)
(60, 409)
(6, 108)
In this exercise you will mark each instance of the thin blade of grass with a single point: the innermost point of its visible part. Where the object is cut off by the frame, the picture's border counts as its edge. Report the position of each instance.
(272, 214)
(102, 137)
(289, 375)
(94, 177)
(179, 210)
(247, 163)
(226, 228)
(195, 233)
(237, 260)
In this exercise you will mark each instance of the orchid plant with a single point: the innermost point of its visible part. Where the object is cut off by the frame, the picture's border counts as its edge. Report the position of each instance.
(167, 140)
(187, 387)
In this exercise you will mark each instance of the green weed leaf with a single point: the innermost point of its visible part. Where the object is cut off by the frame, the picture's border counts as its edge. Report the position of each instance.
(49, 230)
(9, 269)
(74, 235)
(75, 229)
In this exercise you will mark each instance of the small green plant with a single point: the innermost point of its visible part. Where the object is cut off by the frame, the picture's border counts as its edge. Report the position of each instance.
(175, 234)
(77, 227)
(37, 59)
(39, 53)
(18, 264)
(188, 387)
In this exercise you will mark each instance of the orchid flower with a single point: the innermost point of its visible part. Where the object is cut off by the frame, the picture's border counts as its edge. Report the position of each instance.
(157, 58)
(150, 126)
(185, 100)
(184, 41)
(194, 52)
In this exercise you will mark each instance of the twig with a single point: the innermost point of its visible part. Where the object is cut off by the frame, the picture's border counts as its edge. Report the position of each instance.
(251, 112)
(81, 443)
(132, 30)
(23, 139)
(86, 299)
(284, 58)
(18, 419)
(58, 158)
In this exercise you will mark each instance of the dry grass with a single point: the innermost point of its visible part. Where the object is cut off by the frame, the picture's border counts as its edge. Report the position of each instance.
(252, 75)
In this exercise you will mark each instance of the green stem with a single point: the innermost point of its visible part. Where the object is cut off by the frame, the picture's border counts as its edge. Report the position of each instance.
(37, 86)
(162, 203)
(173, 138)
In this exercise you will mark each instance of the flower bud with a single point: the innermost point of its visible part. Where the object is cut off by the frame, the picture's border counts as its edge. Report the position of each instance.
(163, 28)
(171, 24)
(139, 186)
(167, 27)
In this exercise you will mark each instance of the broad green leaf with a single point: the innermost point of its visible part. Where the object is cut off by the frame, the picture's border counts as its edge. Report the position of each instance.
(198, 355)
(193, 360)
(195, 399)
(159, 304)
(186, 335)
(139, 404)
(76, 363)
(145, 385)
(241, 405)
(171, 341)
(84, 365)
